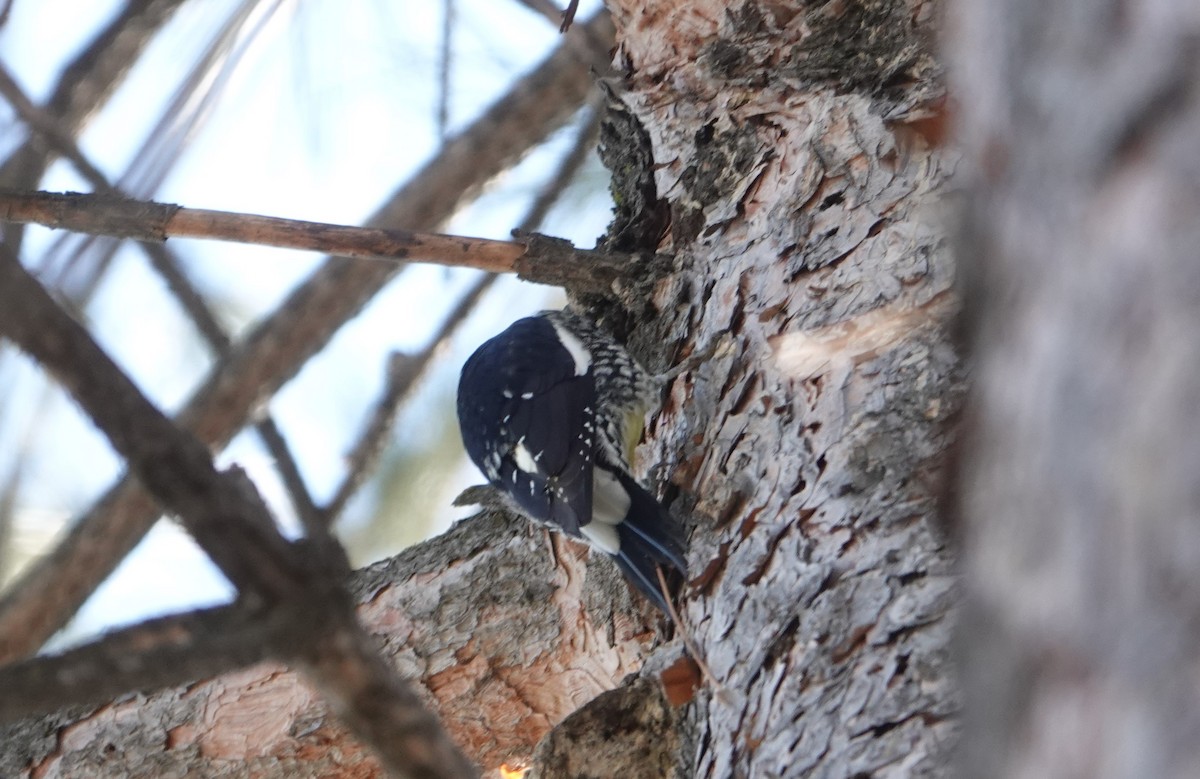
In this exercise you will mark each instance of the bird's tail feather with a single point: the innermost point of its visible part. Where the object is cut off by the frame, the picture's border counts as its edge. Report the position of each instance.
(649, 537)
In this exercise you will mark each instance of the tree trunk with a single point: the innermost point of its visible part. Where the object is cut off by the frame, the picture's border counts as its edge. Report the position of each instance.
(794, 150)
(1082, 483)
(803, 194)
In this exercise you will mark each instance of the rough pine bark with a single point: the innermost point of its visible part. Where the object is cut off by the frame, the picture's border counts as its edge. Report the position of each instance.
(791, 147)
(1081, 488)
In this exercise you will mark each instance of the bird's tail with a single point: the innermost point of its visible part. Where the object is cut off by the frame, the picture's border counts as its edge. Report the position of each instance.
(649, 537)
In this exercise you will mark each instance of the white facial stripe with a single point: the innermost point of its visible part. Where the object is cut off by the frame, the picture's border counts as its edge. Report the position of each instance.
(525, 461)
(579, 352)
(603, 537)
(610, 501)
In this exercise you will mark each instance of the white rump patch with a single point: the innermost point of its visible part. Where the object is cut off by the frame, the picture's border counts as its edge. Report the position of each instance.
(610, 504)
(579, 353)
(610, 501)
(603, 537)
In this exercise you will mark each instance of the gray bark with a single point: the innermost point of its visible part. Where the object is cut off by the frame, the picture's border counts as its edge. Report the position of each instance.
(808, 453)
(1081, 488)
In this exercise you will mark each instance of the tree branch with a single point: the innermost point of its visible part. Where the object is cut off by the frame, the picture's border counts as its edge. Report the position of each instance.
(236, 531)
(162, 260)
(88, 81)
(158, 653)
(156, 222)
(499, 665)
(536, 259)
(230, 522)
(41, 122)
(403, 373)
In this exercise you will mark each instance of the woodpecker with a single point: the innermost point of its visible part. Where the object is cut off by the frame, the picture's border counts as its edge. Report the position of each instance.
(550, 411)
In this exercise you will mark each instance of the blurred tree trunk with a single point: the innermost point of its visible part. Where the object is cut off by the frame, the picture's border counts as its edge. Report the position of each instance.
(795, 153)
(1082, 483)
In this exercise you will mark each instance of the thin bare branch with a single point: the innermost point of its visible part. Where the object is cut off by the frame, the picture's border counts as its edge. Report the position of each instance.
(568, 15)
(51, 590)
(189, 298)
(403, 373)
(148, 221)
(445, 69)
(307, 511)
(89, 80)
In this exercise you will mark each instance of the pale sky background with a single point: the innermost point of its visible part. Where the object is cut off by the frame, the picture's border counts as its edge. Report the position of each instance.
(330, 108)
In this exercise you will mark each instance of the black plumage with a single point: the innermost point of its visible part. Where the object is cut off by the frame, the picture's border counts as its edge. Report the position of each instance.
(534, 422)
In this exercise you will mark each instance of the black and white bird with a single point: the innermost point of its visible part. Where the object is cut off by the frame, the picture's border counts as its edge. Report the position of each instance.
(550, 411)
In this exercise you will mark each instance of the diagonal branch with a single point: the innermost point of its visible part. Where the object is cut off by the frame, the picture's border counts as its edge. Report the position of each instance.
(568, 15)
(403, 373)
(235, 530)
(228, 519)
(157, 653)
(180, 286)
(89, 80)
(41, 122)
(51, 590)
